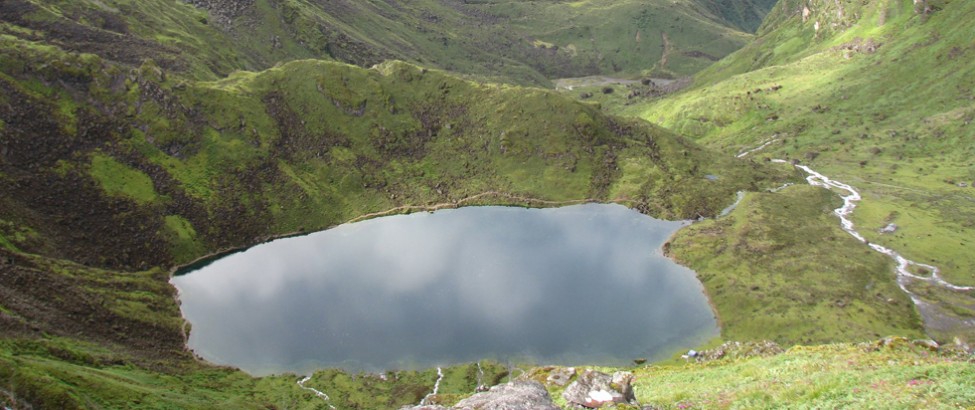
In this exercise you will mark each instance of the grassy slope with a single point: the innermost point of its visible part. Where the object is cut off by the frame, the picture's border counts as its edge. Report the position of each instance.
(896, 374)
(829, 376)
(891, 373)
(780, 268)
(625, 37)
(892, 121)
(64, 374)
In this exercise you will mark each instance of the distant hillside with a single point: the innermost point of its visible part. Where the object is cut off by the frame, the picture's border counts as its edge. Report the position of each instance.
(524, 42)
(878, 94)
(744, 14)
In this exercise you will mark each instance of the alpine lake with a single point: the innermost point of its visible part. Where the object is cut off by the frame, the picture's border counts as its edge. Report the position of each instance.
(578, 285)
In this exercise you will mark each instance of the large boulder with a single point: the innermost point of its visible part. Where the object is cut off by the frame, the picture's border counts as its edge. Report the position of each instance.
(517, 395)
(596, 389)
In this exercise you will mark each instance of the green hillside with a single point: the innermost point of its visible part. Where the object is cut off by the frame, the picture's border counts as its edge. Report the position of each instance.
(113, 174)
(880, 96)
(140, 136)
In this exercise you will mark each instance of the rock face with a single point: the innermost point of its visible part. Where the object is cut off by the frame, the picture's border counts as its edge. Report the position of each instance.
(739, 350)
(517, 395)
(596, 389)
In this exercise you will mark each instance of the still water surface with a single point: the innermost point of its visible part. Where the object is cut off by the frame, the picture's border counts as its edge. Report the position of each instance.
(584, 284)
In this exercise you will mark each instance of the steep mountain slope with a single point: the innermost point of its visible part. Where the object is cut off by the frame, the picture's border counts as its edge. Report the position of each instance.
(878, 94)
(177, 168)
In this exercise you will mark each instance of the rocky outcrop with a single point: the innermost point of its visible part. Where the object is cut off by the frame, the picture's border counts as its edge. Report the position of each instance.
(597, 389)
(739, 350)
(561, 376)
(516, 395)
(224, 11)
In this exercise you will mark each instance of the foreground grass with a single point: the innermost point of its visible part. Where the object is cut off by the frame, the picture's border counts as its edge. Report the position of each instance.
(867, 375)
(894, 373)
(66, 374)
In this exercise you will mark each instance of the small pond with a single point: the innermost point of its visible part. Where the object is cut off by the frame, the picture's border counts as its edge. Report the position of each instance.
(584, 284)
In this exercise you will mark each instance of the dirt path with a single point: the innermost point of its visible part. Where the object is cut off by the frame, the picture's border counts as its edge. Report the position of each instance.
(665, 56)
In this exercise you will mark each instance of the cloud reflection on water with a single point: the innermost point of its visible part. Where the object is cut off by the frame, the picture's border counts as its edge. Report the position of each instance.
(582, 283)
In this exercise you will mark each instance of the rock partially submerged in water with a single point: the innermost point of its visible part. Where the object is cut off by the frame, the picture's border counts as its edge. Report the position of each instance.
(596, 389)
(517, 395)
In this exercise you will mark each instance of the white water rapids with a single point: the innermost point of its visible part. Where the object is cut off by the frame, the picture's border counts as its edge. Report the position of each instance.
(903, 264)
(436, 387)
(323, 396)
(844, 212)
(850, 199)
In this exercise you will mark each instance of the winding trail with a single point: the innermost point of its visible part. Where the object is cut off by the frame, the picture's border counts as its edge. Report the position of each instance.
(436, 387)
(321, 395)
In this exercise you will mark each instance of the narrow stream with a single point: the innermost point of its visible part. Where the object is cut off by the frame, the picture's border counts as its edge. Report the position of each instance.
(850, 199)
(903, 264)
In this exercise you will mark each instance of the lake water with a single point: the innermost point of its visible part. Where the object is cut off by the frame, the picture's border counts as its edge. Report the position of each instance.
(584, 284)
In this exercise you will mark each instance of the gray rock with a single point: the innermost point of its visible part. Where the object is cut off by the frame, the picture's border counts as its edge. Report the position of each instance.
(560, 376)
(927, 344)
(596, 389)
(517, 395)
